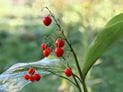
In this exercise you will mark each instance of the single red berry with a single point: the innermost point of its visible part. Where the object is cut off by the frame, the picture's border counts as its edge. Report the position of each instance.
(31, 71)
(32, 78)
(68, 72)
(59, 52)
(26, 77)
(43, 46)
(37, 77)
(59, 42)
(47, 20)
(46, 52)
(49, 49)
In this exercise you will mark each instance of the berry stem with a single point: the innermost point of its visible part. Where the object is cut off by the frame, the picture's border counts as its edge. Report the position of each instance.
(64, 78)
(70, 46)
(72, 50)
(78, 86)
(77, 77)
(75, 56)
(84, 86)
(83, 83)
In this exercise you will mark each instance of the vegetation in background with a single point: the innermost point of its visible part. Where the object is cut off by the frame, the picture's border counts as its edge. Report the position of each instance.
(21, 34)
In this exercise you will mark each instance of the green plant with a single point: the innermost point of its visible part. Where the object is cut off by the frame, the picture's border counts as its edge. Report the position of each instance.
(112, 32)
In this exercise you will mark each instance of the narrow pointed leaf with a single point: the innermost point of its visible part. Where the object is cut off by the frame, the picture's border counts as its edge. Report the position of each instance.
(116, 19)
(112, 32)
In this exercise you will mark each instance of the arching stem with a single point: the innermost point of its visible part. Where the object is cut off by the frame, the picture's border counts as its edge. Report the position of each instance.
(72, 50)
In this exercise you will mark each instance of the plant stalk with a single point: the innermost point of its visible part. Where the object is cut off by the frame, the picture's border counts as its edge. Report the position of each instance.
(74, 54)
(78, 86)
(84, 86)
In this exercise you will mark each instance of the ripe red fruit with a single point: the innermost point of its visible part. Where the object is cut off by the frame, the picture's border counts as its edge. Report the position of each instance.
(59, 42)
(46, 52)
(59, 52)
(47, 20)
(31, 71)
(32, 78)
(68, 72)
(43, 46)
(37, 77)
(26, 77)
(49, 49)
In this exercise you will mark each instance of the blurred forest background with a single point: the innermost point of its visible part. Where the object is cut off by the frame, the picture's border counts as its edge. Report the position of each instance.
(22, 32)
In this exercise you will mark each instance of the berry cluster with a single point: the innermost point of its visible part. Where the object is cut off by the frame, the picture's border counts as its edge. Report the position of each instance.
(46, 49)
(32, 76)
(59, 44)
(59, 47)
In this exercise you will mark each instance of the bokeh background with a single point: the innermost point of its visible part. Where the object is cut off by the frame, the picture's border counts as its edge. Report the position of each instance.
(22, 32)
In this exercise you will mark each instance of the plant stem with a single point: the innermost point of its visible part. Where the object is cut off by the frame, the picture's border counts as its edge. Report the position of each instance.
(84, 86)
(77, 77)
(79, 88)
(70, 46)
(73, 52)
(65, 78)
(82, 82)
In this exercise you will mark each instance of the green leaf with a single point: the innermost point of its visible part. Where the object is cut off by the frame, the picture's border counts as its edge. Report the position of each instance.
(116, 19)
(112, 32)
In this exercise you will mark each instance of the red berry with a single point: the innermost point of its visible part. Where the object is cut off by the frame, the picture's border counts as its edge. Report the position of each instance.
(43, 46)
(49, 49)
(31, 71)
(37, 77)
(46, 52)
(26, 77)
(32, 78)
(59, 52)
(59, 42)
(47, 20)
(68, 72)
